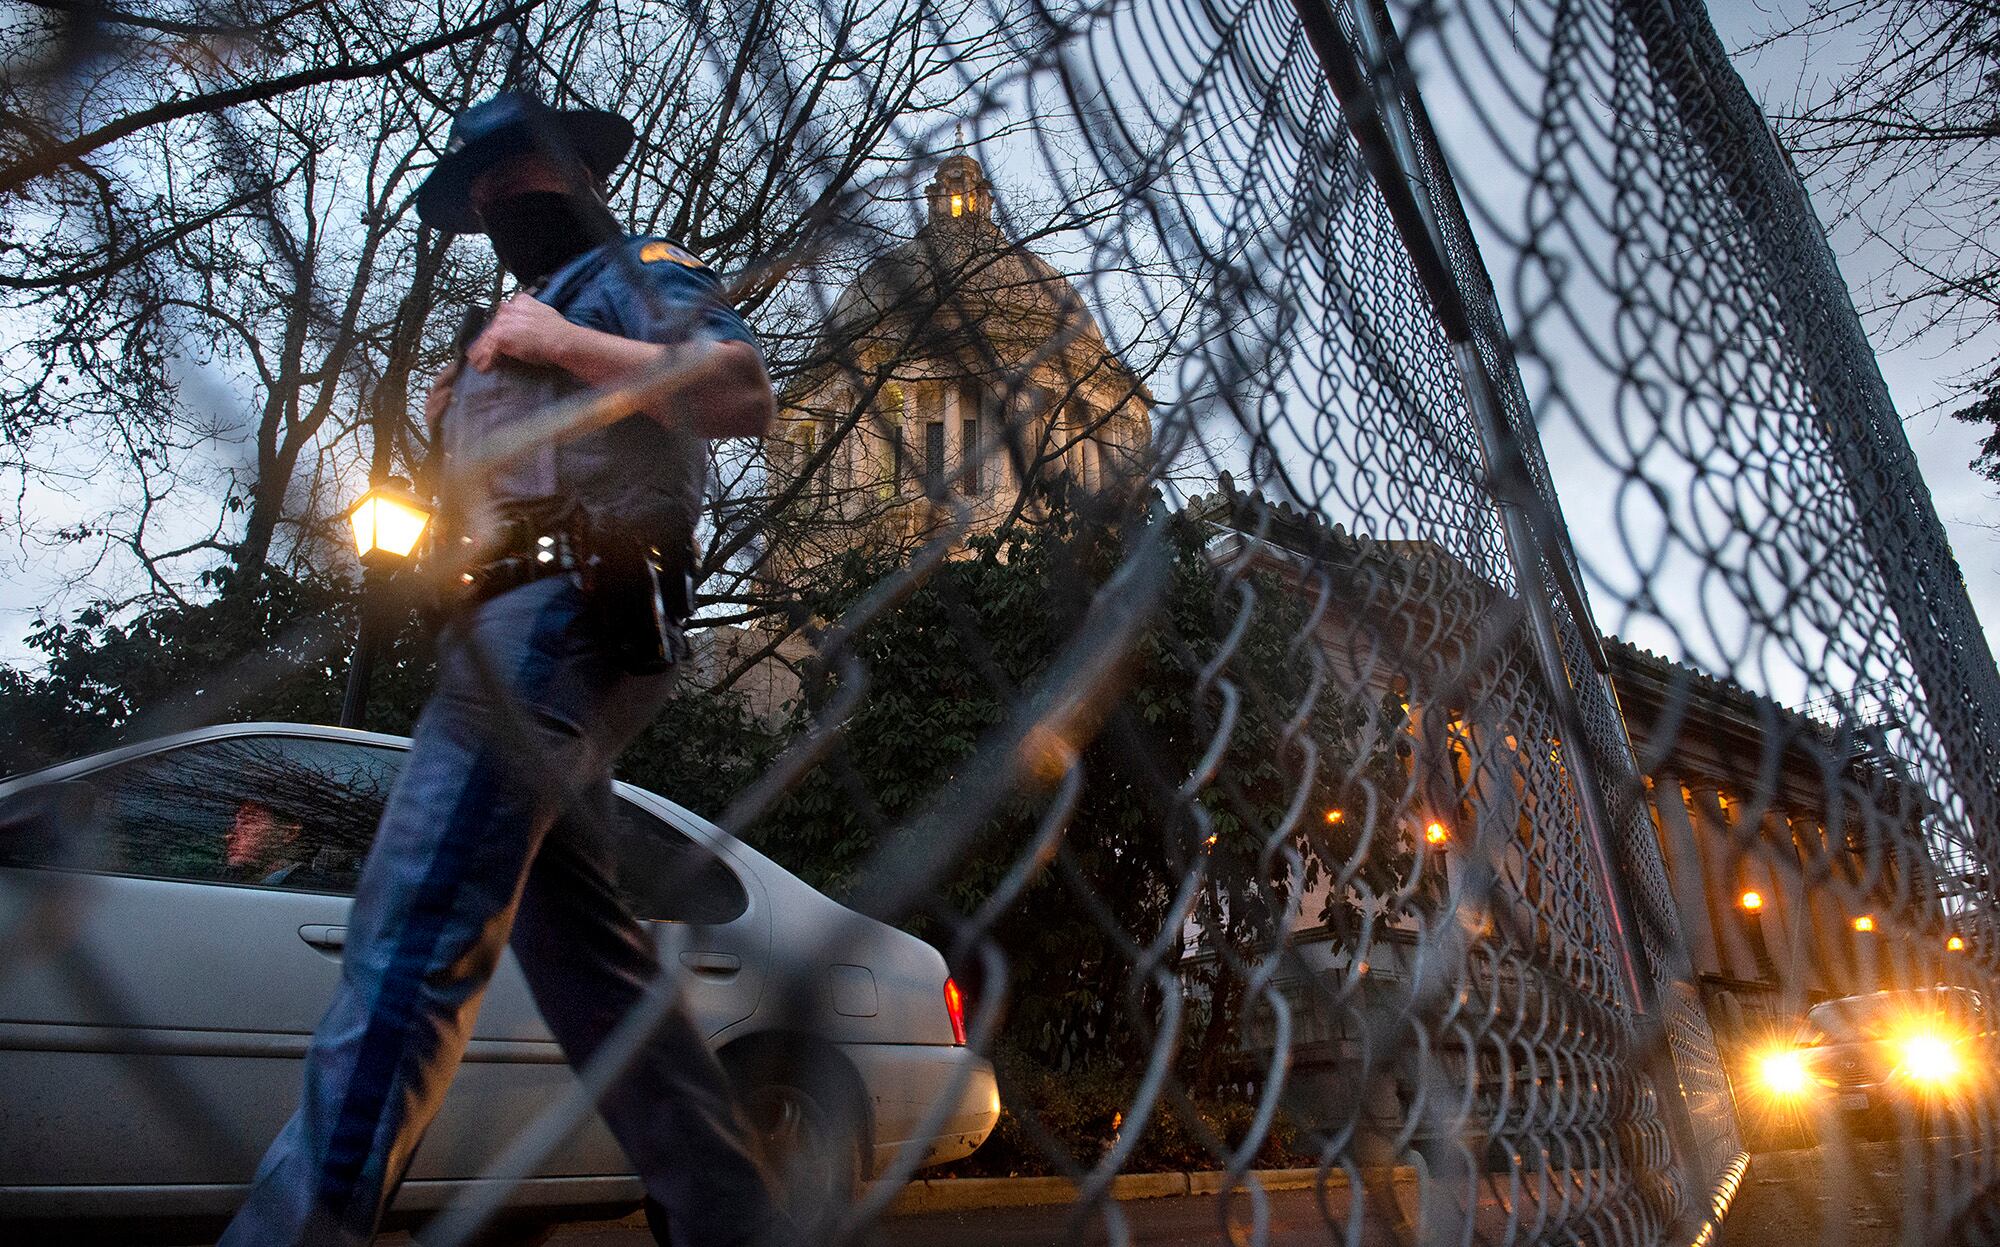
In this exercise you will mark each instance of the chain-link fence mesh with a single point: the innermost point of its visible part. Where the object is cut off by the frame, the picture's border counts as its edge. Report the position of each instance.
(1156, 594)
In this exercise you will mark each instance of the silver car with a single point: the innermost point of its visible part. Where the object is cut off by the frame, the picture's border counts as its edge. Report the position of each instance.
(171, 920)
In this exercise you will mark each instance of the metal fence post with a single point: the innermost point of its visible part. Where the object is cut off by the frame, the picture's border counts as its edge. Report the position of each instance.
(1948, 650)
(1362, 76)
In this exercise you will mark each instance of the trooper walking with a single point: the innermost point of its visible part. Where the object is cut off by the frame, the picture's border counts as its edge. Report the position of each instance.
(573, 560)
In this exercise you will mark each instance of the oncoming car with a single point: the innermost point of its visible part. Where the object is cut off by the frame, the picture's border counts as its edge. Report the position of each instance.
(174, 914)
(1865, 1060)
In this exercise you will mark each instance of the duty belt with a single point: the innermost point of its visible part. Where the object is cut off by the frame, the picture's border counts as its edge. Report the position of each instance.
(637, 598)
(527, 552)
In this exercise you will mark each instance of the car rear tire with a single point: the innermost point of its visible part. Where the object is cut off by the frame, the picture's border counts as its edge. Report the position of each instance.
(808, 1121)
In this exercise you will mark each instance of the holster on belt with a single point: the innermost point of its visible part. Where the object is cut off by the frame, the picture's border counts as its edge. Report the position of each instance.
(638, 599)
(637, 596)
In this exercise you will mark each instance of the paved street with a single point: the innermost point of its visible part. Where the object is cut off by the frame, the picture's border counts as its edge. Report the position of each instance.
(1296, 1220)
(1809, 1197)
(1797, 1197)
(1789, 1198)
(1785, 1202)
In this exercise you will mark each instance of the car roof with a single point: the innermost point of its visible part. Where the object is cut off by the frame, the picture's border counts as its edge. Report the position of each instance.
(218, 731)
(1892, 996)
(804, 910)
(319, 731)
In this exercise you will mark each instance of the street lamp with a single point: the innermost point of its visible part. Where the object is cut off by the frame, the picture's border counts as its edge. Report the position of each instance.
(1752, 900)
(388, 521)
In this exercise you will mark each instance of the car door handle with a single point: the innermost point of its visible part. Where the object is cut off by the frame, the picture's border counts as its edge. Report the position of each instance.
(716, 965)
(326, 939)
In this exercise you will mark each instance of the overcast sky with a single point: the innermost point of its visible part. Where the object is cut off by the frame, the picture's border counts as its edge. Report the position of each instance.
(1612, 530)
(1918, 373)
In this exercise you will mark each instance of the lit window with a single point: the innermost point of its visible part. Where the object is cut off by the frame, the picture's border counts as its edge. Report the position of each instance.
(958, 205)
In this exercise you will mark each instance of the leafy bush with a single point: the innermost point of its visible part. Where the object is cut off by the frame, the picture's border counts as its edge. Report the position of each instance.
(1082, 1118)
(973, 640)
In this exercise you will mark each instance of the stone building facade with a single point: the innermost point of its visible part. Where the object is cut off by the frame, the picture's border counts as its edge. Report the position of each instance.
(1746, 796)
(958, 367)
(1788, 844)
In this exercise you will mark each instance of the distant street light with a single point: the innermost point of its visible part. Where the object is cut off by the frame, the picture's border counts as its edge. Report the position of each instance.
(1956, 944)
(1435, 833)
(388, 522)
(1865, 923)
(1752, 900)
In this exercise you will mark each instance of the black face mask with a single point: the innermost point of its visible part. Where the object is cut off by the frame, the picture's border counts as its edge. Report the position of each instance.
(537, 232)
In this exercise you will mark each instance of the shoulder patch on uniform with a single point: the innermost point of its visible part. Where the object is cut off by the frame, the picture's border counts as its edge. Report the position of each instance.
(654, 252)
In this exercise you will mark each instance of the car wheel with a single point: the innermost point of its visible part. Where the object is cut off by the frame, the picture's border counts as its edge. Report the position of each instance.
(807, 1124)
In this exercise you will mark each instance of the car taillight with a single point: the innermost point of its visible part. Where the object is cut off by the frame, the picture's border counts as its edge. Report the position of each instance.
(954, 1007)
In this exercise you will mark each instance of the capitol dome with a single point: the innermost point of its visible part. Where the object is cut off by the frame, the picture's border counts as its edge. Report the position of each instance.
(961, 285)
(958, 363)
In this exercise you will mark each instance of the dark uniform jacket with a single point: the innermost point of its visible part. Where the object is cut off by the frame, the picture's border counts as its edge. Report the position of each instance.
(640, 474)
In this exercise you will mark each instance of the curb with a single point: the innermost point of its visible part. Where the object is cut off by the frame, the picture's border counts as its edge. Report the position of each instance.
(933, 1195)
(969, 1194)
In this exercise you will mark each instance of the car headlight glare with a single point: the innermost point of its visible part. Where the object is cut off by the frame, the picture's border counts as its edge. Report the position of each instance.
(1784, 1073)
(1931, 1058)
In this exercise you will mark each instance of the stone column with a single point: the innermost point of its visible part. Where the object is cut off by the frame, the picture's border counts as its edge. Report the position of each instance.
(1741, 934)
(1696, 891)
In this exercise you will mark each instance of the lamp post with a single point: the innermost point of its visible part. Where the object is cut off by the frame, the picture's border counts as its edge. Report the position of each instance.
(388, 521)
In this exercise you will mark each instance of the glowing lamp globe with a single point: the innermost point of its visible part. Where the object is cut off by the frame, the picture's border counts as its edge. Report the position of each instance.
(388, 522)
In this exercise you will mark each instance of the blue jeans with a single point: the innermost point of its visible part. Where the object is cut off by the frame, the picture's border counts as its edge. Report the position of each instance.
(497, 833)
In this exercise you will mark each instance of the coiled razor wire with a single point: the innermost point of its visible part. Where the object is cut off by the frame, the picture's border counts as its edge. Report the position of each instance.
(1542, 1021)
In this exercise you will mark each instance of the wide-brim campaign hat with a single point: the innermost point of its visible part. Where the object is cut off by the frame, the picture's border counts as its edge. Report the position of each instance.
(508, 125)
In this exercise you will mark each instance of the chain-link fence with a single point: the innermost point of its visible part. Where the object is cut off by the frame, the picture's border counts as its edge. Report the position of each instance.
(1445, 772)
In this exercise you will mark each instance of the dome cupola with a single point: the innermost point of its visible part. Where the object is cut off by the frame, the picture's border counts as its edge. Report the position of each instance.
(960, 190)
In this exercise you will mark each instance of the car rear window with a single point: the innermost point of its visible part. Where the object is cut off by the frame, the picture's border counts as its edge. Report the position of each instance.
(667, 877)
